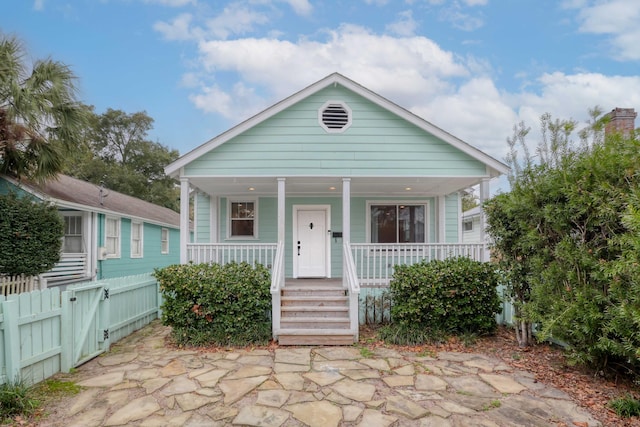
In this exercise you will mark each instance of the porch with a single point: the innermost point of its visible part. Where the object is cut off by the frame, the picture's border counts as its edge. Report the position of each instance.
(324, 311)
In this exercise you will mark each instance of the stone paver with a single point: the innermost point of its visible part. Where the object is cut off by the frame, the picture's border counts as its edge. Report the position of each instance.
(146, 384)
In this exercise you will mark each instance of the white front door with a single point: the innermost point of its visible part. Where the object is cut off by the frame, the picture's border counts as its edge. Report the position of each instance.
(311, 241)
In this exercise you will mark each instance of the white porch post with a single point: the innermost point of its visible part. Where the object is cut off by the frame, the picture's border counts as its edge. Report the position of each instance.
(281, 209)
(213, 219)
(484, 195)
(346, 210)
(184, 218)
(442, 218)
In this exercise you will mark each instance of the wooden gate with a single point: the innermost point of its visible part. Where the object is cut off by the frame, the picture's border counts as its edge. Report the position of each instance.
(88, 305)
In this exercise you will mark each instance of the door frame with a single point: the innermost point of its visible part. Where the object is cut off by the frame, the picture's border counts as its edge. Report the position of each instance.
(294, 241)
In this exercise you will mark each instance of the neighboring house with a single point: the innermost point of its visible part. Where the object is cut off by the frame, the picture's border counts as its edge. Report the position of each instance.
(471, 226)
(334, 181)
(106, 234)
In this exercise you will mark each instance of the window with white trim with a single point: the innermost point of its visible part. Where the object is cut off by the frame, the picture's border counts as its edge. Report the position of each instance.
(467, 225)
(242, 218)
(137, 229)
(164, 241)
(73, 242)
(398, 223)
(112, 237)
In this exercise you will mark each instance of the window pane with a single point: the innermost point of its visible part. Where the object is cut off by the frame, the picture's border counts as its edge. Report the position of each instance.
(383, 224)
(411, 224)
(240, 227)
(72, 244)
(242, 210)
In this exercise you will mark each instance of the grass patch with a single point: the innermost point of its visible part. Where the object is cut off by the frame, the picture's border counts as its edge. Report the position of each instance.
(366, 353)
(399, 334)
(492, 405)
(625, 407)
(17, 398)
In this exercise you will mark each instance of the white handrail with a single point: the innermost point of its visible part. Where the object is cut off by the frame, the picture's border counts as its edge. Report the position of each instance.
(350, 281)
(277, 283)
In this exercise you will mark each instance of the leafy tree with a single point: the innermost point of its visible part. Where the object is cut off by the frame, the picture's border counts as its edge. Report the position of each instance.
(117, 153)
(30, 236)
(567, 236)
(469, 201)
(40, 118)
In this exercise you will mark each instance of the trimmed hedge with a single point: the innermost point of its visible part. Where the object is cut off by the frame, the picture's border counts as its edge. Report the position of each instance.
(31, 235)
(212, 304)
(455, 296)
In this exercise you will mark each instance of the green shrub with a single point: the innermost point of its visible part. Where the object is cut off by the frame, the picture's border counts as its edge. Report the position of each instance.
(211, 304)
(625, 407)
(455, 296)
(16, 398)
(30, 236)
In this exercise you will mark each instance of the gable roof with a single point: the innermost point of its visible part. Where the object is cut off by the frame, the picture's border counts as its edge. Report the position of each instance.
(496, 167)
(74, 193)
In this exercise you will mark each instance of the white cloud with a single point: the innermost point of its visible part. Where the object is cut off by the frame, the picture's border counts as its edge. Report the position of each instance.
(404, 26)
(38, 5)
(376, 2)
(617, 18)
(301, 7)
(178, 29)
(235, 19)
(172, 3)
(461, 20)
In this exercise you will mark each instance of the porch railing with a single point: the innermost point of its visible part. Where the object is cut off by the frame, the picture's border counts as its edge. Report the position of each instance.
(224, 253)
(277, 283)
(71, 267)
(350, 282)
(375, 261)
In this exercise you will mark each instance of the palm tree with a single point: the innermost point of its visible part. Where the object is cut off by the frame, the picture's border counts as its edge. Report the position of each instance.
(40, 118)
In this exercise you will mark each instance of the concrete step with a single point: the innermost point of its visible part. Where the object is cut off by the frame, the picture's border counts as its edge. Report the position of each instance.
(309, 322)
(315, 337)
(314, 311)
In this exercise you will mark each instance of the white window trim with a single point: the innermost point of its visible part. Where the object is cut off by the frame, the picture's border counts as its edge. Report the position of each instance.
(162, 251)
(85, 228)
(141, 224)
(427, 222)
(119, 228)
(464, 225)
(253, 200)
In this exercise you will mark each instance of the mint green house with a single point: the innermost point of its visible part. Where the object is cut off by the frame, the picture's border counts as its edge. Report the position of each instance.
(331, 188)
(107, 234)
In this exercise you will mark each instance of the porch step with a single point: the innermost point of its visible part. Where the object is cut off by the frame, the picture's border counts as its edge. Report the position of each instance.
(313, 300)
(315, 337)
(314, 322)
(314, 291)
(301, 311)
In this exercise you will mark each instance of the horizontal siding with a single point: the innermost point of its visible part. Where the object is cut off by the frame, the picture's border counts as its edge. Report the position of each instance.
(451, 218)
(202, 218)
(378, 143)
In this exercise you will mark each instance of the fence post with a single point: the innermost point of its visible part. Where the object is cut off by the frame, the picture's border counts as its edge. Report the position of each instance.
(11, 339)
(66, 332)
(159, 299)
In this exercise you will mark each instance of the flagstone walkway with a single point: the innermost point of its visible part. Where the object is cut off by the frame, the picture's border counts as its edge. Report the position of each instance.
(140, 382)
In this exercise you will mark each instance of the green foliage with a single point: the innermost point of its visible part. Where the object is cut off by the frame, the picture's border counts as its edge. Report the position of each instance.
(454, 296)
(116, 152)
(30, 236)
(211, 304)
(16, 398)
(40, 118)
(625, 407)
(568, 238)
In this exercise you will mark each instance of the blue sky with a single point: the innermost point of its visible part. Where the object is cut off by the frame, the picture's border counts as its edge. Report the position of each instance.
(471, 67)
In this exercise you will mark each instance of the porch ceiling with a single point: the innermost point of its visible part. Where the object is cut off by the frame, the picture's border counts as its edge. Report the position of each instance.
(332, 186)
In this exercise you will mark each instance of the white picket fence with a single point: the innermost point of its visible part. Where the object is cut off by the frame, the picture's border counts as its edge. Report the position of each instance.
(21, 283)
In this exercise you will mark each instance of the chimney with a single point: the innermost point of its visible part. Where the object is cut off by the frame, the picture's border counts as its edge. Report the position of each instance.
(621, 120)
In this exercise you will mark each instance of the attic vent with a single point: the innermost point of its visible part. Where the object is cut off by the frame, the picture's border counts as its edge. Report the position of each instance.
(335, 116)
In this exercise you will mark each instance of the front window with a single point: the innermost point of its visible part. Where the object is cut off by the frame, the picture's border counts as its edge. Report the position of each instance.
(398, 223)
(136, 239)
(112, 237)
(73, 234)
(242, 219)
(468, 226)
